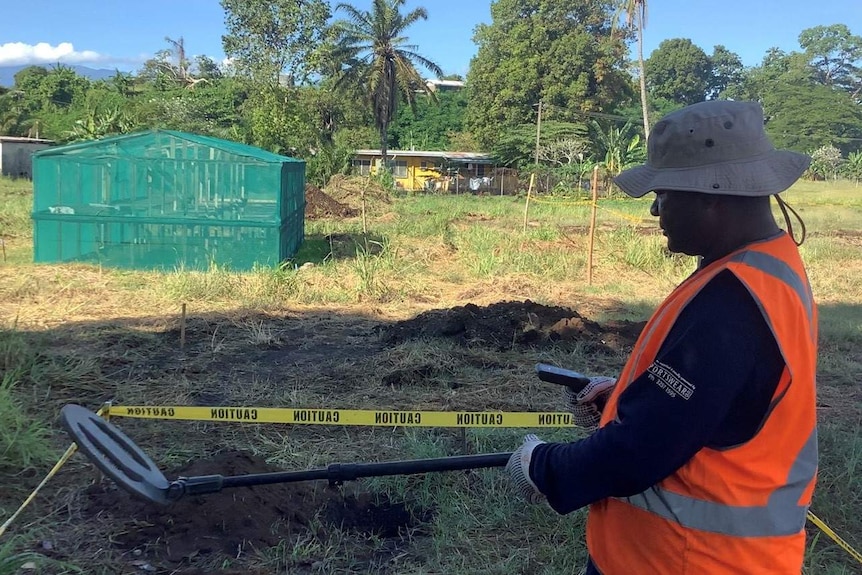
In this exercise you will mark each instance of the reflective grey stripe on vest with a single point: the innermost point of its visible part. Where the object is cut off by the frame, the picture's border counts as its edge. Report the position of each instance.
(778, 269)
(782, 514)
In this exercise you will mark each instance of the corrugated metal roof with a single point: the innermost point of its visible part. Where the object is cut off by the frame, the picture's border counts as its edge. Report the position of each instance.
(478, 157)
(22, 140)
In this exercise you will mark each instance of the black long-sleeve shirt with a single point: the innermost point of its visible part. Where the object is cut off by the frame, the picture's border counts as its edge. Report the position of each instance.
(730, 364)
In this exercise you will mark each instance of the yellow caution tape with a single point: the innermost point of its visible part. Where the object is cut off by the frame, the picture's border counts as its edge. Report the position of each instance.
(834, 536)
(561, 202)
(378, 417)
(629, 217)
(63, 459)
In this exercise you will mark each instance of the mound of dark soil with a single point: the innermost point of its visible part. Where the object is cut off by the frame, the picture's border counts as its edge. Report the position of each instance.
(318, 204)
(504, 325)
(239, 519)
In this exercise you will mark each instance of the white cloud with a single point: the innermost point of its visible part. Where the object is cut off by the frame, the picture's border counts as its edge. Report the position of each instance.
(19, 53)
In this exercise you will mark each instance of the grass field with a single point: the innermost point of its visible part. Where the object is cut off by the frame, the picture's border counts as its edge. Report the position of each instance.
(310, 337)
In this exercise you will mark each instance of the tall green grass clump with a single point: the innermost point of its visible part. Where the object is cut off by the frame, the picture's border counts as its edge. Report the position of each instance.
(216, 283)
(24, 441)
(16, 202)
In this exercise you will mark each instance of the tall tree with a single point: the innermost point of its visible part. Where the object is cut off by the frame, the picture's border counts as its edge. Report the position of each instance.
(563, 53)
(269, 39)
(679, 71)
(635, 16)
(727, 71)
(776, 68)
(171, 67)
(375, 53)
(805, 117)
(836, 56)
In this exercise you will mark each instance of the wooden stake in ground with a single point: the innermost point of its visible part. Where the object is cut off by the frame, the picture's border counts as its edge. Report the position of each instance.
(527, 205)
(533, 175)
(362, 196)
(594, 188)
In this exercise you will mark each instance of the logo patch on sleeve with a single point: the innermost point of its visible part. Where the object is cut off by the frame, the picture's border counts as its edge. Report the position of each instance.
(669, 380)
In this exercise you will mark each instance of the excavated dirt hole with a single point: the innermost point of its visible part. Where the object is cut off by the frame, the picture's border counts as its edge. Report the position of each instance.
(240, 519)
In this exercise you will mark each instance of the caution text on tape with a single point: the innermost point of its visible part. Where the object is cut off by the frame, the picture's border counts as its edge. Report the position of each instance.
(313, 416)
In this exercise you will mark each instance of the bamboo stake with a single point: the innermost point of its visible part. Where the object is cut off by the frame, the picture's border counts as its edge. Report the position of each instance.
(594, 187)
(364, 212)
(527, 205)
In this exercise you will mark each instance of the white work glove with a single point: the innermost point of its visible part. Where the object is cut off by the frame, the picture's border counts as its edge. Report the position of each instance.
(518, 468)
(586, 405)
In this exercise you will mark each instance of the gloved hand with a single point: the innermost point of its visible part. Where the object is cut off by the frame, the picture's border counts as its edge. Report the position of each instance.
(518, 468)
(586, 405)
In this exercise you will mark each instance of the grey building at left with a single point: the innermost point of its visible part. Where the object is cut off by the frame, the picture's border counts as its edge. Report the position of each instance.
(16, 155)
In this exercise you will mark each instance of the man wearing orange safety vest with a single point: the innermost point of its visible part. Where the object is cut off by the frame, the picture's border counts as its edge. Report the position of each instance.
(705, 456)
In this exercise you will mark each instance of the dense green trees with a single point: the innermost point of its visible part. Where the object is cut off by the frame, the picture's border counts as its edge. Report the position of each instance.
(679, 71)
(319, 91)
(561, 53)
(271, 40)
(431, 125)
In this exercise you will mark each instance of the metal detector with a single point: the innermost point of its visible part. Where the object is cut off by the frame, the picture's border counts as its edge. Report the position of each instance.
(119, 458)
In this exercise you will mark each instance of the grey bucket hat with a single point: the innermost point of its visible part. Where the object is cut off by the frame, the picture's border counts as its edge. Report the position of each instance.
(715, 147)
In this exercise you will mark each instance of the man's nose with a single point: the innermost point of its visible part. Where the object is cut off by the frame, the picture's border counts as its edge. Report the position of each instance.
(653, 209)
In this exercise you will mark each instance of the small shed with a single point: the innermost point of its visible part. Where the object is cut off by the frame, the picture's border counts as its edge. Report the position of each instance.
(16, 155)
(163, 199)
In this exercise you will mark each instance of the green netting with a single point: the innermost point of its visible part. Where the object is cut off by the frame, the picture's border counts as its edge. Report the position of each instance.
(165, 199)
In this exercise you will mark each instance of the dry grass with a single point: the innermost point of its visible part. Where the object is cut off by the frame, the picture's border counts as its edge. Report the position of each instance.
(306, 338)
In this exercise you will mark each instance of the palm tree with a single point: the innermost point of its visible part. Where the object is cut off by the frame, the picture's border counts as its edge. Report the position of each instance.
(635, 16)
(374, 53)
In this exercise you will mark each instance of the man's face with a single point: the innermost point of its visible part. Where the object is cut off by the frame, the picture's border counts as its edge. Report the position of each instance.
(683, 216)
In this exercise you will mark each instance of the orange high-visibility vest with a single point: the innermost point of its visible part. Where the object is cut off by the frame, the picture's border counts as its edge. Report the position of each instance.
(738, 510)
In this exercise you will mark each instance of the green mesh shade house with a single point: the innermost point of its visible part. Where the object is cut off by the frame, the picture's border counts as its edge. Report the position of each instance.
(162, 199)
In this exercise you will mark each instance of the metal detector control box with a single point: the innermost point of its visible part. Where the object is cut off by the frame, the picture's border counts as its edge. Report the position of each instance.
(571, 379)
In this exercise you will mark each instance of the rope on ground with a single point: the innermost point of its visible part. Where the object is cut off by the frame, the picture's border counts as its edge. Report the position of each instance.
(103, 411)
(628, 217)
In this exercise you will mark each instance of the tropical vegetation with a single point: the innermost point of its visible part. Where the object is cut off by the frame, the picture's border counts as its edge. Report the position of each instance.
(318, 81)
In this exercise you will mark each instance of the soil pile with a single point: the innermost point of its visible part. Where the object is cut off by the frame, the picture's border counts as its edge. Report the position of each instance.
(504, 325)
(318, 204)
(350, 190)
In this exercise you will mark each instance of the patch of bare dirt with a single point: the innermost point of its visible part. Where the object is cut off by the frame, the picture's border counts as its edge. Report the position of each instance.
(238, 520)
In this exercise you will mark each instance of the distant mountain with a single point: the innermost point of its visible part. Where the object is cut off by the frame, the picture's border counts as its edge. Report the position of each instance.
(7, 73)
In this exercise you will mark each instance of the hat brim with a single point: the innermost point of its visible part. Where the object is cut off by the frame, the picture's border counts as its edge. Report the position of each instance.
(764, 175)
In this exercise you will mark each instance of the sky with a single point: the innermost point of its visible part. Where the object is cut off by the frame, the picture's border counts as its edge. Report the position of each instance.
(122, 34)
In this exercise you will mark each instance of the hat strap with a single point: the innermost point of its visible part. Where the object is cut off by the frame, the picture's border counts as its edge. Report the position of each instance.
(784, 207)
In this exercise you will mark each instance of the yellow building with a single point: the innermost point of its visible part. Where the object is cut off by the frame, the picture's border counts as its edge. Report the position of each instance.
(415, 170)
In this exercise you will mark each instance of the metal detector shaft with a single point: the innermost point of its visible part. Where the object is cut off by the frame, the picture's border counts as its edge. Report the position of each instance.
(336, 473)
